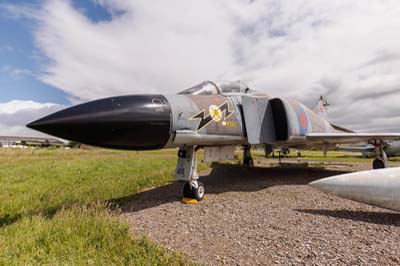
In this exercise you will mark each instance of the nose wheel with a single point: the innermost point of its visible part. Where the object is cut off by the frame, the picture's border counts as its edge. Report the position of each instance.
(191, 192)
(186, 170)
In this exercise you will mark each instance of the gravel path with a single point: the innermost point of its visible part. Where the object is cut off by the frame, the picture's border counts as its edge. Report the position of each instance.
(267, 216)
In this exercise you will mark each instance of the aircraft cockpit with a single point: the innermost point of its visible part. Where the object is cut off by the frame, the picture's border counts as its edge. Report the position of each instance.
(204, 88)
(234, 87)
(215, 88)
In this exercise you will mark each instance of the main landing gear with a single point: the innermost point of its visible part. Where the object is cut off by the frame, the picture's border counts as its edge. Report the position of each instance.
(381, 160)
(247, 159)
(186, 170)
(378, 164)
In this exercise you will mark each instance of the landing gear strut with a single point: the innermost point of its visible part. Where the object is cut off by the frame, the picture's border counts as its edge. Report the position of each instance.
(186, 170)
(381, 160)
(247, 159)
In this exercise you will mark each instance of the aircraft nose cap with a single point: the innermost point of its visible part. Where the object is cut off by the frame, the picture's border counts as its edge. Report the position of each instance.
(326, 185)
(137, 122)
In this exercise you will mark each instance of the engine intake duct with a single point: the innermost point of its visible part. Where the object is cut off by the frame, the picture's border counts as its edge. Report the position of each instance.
(280, 119)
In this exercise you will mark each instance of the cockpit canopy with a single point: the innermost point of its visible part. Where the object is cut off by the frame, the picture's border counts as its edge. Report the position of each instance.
(214, 88)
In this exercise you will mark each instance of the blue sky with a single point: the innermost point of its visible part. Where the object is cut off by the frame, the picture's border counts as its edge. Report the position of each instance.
(21, 61)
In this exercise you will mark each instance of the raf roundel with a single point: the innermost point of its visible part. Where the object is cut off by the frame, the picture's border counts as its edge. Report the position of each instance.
(215, 113)
(303, 120)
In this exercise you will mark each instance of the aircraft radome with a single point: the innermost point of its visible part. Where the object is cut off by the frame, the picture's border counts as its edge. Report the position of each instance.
(215, 116)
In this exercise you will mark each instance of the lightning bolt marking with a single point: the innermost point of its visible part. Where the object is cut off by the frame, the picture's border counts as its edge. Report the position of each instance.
(225, 107)
(205, 120)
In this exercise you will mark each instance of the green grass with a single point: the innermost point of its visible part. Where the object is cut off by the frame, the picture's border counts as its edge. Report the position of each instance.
(47, 210)
(79, 236)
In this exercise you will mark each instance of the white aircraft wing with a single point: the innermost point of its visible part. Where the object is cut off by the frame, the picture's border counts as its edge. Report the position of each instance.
(336, 138)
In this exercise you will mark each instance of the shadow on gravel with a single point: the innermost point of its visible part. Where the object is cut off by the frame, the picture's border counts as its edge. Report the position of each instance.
(384, 218)
(225, 178)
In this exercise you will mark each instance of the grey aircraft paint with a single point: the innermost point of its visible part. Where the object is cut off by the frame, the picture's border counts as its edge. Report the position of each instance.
(155, 121)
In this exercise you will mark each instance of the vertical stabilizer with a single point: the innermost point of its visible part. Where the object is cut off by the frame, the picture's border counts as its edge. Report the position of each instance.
(322, 107)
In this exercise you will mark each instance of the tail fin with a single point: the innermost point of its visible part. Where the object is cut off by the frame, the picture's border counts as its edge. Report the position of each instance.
(321, 108)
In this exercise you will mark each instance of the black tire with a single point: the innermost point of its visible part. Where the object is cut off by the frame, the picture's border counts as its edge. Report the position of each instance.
(378, 164)
(199, 192)
(251, 163)
(187, 191)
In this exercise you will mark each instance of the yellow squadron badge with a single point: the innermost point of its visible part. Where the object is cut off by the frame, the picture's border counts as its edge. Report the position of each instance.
(215, 112)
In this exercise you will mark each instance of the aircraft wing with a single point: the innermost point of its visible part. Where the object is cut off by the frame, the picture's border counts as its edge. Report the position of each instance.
(336, 138)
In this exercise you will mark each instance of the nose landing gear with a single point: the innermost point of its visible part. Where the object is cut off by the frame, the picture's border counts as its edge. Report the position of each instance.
(186, 170)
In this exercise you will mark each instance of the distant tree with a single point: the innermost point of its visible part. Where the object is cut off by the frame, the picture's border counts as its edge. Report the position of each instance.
(74, 144)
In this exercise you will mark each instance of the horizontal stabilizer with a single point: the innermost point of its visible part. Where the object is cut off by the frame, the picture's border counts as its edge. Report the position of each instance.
(339, 128)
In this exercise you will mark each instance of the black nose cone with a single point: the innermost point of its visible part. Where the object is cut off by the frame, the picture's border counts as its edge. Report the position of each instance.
(137, 122)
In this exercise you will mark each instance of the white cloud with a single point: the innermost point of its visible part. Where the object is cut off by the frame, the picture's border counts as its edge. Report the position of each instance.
(14, 115)
(14, 72)
(348, 50)
(16, 12)
(15, 106)
(152, 47)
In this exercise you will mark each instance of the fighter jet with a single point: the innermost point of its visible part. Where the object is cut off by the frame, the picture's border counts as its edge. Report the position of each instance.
(215, 116)
(379, 188)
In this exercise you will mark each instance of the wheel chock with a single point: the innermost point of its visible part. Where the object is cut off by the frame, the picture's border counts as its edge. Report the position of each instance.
(189, 201)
